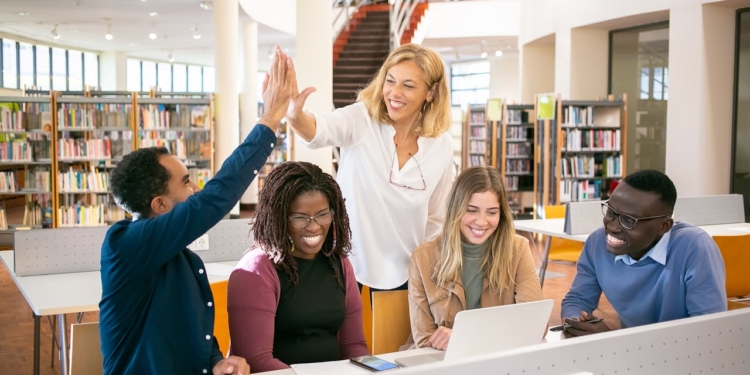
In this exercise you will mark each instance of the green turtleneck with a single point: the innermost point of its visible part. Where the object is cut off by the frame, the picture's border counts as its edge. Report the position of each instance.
(471, 273)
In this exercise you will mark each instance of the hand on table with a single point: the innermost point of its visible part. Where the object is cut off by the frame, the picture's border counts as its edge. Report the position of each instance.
(439, 339)
(584, 325)
(231, 365)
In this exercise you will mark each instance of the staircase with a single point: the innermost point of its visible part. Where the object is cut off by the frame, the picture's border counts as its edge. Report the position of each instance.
(359, 53)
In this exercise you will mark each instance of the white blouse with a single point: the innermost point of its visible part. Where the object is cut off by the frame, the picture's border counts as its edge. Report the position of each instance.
(387, 221)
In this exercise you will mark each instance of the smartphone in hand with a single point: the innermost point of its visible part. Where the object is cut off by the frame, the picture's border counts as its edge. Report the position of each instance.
(373, 363)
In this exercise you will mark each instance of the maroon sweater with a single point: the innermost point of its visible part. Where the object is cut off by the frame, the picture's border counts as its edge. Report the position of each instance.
(253, 296)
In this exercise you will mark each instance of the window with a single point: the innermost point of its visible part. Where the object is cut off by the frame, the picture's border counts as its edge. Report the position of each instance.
(43, 74)
(195, 78)
(10, 71)
(91, 69)
(209, 77)
(59, 69)
(165, 76)
(134, 75)
(26, 64)
(470, 83)
(75, 70)
(179, 78)
(148, 72)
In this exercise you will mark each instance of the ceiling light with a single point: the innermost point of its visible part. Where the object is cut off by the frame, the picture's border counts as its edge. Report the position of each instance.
(206, 5)
(55, 34)
(153, 14)
(458, 57)
(23, 14)
(498, 53)
(196, 33)
(108, 35)
(170, 57)
(152, 35)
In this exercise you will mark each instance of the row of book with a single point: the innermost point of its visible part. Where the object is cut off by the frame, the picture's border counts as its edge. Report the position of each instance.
(517, 117)
(518, 166)
(591, 140)
(475, 160)
(84, 149)
(160, 116)
(199, 176)
(478, 132)
(82, 216)
(477, 118)
(589, 166)
(74, 181)
(477, 147)
(93, 116)
(16, 151)
(36, 117)
(516, 132)
(35, 181)
(591, 117)
(516, 150)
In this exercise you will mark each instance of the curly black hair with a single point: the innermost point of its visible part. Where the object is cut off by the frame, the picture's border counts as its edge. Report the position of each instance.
(653, 181)
(282, 186)
(138, 178)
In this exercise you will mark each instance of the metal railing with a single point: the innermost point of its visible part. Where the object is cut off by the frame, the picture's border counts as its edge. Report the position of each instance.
(401, 11)
(342, 12)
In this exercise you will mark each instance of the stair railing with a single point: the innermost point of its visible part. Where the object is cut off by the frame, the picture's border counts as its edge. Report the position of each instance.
(401, 11)
(342, 11)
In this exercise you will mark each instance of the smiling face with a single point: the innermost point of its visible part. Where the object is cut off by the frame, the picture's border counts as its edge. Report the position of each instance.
(309, 240)
(405, 92)
(481, 218)
(637, 241)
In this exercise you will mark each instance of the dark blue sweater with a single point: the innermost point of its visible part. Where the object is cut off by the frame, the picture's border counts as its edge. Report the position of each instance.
(156, 313)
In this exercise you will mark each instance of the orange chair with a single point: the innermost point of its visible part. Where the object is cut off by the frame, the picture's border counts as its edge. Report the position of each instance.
(367, 316)
(221, 317)
(560, 249)
(734, 250)
(391, 326)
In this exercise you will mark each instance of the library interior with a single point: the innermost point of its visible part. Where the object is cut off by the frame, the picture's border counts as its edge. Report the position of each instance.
(564, 98)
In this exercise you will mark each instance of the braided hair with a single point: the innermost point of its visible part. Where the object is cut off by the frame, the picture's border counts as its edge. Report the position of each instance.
(285, 183)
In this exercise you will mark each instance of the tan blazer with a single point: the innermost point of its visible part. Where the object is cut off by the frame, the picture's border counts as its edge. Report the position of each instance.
(431, 305)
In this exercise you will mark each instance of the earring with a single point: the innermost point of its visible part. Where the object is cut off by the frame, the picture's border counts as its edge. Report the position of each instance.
(291, 242)
(333, 227)
(426, 106)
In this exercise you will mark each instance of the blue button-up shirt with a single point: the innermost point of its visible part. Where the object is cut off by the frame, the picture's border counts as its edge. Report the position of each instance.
(156, 313)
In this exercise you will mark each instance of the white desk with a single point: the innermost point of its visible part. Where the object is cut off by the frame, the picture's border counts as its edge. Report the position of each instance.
(556, 228)
(78, 292)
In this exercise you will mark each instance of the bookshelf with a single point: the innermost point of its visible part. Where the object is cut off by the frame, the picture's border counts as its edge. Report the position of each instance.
(25, 163)
(591, 148)
(515, 157)
(279, 155)
(476, 137)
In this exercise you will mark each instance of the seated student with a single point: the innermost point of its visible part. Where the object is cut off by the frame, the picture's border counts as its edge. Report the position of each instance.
(650, 268)
(293, 298)
(477, 261)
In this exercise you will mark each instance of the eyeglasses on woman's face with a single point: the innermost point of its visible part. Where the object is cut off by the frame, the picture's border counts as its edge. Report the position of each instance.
(300, 221)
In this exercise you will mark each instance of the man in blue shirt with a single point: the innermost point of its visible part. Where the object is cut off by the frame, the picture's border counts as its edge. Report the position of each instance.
(157, 311)
(650, 268)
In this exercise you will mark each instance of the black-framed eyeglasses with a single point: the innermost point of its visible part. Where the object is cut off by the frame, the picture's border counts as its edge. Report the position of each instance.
(626, 221)
(419, 167)
(300, 222)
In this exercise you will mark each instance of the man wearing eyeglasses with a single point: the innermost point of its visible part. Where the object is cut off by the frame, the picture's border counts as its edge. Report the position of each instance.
(650, 268)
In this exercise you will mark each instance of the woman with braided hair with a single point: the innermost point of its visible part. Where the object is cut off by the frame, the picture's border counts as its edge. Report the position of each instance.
(293, 298)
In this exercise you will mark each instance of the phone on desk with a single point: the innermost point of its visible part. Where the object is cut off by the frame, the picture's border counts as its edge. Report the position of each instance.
(373, 363)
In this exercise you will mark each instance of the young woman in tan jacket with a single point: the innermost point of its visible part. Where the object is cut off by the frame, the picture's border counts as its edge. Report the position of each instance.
(477, 261)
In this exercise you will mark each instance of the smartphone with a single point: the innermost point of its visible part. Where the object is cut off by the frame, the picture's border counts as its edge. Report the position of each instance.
(373, 363)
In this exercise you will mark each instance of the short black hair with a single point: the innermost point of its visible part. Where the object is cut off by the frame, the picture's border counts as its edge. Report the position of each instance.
(138, 178)
(653, 181)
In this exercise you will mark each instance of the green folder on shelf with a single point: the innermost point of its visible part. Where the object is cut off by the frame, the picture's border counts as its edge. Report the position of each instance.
(546, 107)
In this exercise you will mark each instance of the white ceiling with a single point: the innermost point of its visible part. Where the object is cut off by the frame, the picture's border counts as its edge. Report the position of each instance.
(83, 23)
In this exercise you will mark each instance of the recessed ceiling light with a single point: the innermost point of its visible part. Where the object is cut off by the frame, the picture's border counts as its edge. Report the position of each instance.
(206, 5)
(23, 13)
(152, 35)
(498, 53)
(153, 14)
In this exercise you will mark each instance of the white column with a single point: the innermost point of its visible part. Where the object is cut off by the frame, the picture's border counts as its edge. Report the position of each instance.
(113, 71)
(589, 64)
(504, 78)
(226, 30)
(537, 70)
(314, 64)
(699, 113)
(562, 63)
(249, 97)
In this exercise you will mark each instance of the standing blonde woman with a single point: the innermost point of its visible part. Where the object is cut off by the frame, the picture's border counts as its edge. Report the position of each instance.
(396, 160)
(477, 261)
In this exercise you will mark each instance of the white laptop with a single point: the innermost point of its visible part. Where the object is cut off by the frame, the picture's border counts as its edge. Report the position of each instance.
(490, 330)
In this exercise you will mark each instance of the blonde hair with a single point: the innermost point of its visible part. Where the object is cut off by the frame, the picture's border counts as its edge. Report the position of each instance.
(436, 115)
(498, 256)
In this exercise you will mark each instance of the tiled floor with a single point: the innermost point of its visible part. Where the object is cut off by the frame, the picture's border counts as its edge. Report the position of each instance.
(16, 323)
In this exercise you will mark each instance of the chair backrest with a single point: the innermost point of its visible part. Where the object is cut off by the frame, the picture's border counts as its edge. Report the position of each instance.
(736, 254)
(85, 350)
(390, 321)
(554, 212)
(221, 317)
(367, 316)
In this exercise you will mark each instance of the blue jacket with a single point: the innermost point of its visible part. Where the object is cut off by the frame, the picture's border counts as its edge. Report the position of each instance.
(156, 313)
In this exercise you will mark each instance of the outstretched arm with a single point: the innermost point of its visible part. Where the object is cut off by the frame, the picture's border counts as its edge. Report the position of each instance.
(303, 123)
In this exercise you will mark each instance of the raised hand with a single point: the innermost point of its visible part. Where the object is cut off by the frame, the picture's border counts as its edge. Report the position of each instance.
(277, 90)
(297, 103)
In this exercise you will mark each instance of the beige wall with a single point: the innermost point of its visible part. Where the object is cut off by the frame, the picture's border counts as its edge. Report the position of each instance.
(537, 70)
(504, 80)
